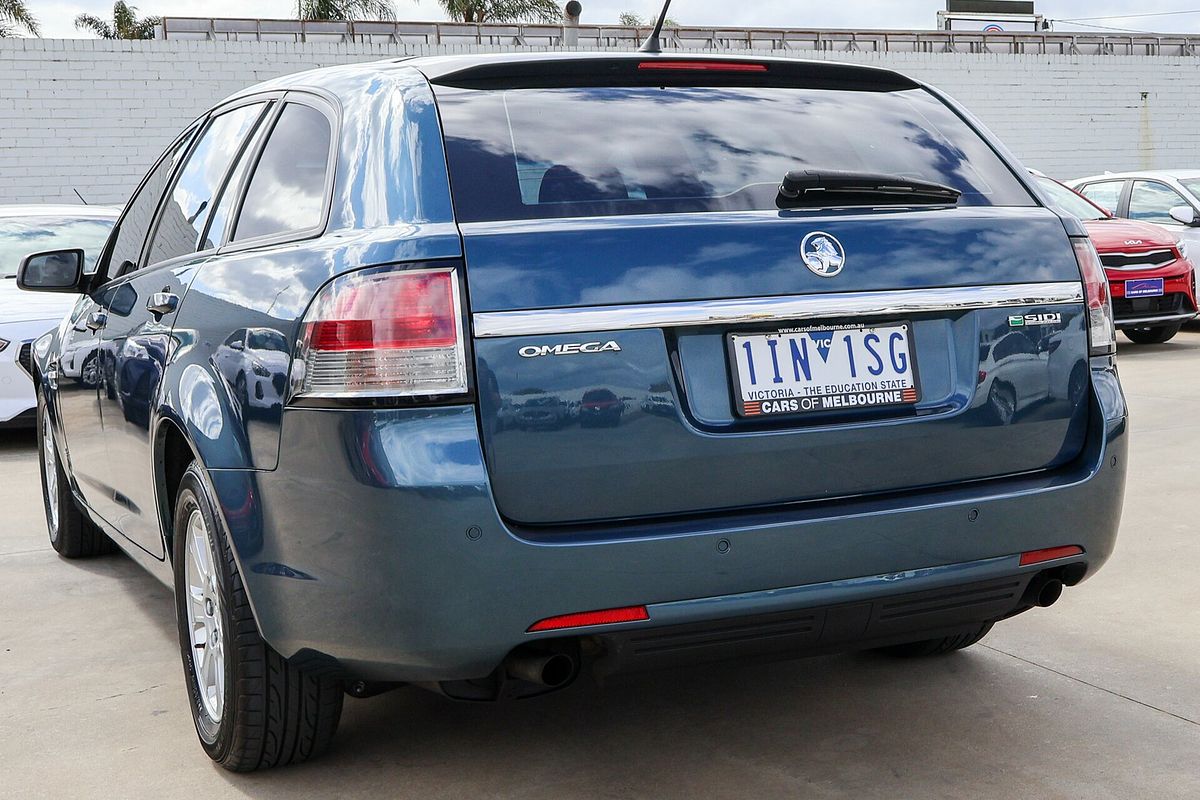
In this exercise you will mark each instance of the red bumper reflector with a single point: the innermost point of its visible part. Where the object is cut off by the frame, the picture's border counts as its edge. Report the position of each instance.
(590, 618)
(702, 66)
(1050, 554)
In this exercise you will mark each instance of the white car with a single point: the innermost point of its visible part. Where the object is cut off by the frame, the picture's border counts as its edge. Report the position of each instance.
(255, 363)
(24, 316)
(1170, 198)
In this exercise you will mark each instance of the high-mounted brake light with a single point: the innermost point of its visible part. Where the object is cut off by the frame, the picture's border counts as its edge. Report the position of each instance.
(1102, 332)
(589, 618)
(700, 66)
(384, 333)
(1050, 554)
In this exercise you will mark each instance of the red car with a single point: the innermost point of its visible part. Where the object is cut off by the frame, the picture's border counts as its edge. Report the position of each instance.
(1152, 281)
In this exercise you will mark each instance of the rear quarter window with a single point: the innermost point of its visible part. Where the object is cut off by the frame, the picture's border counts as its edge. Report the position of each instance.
(286, 193)
(568, 152)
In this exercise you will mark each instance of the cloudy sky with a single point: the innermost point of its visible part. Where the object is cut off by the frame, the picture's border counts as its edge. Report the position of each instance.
(56, 16)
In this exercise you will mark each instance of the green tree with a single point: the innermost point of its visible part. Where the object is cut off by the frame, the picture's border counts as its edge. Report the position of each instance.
(503, 10)
(345, 9)
(14, 15)
(124, 24)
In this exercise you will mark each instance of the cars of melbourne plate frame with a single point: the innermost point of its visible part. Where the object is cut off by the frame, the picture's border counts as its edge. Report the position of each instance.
(826, 368)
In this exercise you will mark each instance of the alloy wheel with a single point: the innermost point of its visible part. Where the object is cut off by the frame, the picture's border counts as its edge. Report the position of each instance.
(89, 375)
(204, 617)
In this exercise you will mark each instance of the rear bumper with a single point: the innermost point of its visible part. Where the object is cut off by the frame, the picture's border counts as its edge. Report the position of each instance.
(377, 543)
(1154, 320)
(868, 612)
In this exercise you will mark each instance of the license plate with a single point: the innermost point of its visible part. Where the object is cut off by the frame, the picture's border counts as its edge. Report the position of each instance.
(1148, 287)
(805, 370)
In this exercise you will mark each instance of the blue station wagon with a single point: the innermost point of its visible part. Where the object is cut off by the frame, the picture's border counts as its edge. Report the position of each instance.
(471, 372)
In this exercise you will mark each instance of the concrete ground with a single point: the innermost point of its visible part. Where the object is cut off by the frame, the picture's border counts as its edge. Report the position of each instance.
(1098, 697)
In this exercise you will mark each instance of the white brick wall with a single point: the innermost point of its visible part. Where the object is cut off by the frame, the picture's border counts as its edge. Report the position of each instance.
(92, 115)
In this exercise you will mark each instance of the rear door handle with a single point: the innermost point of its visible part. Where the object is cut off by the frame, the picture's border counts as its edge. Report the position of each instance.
(162, 303)
(97, 320)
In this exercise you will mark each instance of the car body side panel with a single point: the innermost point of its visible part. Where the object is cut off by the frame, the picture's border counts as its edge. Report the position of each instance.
(234, 428)
(392, 167)
(390, 205)
(135, 347)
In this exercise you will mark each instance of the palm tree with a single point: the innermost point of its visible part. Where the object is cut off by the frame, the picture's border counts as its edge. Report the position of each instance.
(503, 10)
(345, 9)
(15, 14)
(125, 23)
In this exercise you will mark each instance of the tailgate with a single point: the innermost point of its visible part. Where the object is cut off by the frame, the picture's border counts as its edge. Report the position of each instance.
(611, 349)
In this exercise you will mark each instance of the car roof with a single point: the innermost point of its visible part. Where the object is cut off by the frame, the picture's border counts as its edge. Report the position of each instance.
(50, 210)
(1153, 174)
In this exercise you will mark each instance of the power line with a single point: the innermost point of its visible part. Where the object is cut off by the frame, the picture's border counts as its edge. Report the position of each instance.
(1131, 16)
(1102, 27)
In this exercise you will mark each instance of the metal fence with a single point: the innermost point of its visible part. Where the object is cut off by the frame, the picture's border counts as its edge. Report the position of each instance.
(715, 39)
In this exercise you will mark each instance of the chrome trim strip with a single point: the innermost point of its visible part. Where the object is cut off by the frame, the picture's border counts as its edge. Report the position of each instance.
(1137, 322)
(898, 303)
(1138, 254)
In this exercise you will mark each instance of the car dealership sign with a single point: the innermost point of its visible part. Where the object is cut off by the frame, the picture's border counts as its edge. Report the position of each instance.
(991, 16)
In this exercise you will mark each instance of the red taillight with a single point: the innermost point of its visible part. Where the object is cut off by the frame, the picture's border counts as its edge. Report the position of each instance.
(701, 66)
(379, 333)
(1102, 333)
(1050, 554)
(589, 618)
(405, 310)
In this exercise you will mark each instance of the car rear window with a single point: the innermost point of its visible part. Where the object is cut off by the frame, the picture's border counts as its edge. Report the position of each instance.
(570, 152)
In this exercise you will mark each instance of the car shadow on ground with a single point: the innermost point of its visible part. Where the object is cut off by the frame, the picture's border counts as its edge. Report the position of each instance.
(1188, 340)
(648, 735)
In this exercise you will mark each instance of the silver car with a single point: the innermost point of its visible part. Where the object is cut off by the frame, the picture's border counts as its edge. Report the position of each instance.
(1170, 198)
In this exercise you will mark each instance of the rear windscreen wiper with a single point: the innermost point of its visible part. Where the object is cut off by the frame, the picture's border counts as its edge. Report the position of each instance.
(817, 188)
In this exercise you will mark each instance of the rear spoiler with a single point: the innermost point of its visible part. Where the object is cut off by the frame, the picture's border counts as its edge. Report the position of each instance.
(639, 69)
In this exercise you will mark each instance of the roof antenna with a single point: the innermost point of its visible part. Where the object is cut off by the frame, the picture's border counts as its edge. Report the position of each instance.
(77, 194)
(652, 44)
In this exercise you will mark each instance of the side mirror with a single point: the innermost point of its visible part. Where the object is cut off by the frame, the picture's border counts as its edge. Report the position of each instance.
(53, 271)
(238, 345)
(1184, 215)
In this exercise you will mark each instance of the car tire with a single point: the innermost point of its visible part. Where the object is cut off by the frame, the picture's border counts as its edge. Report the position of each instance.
(937, 647)
(1158, 335)
(72, 534)
(253, 709)
(1002, 400)
(242, 392)
(89, 373)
